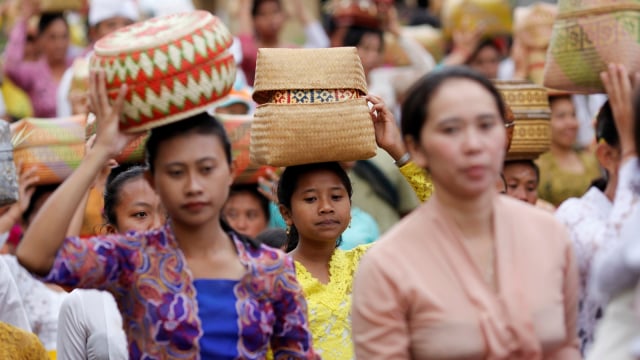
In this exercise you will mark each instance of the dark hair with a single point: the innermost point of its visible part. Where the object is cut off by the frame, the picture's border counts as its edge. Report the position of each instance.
(257, 3)
(46, 19)
(253, 191)
(354, 36)
(39, 192)
(275, 237)
(606, 127)
(483, 44)
(415, 108)
(289, 182)
(203, 124)
(112, 191)
(525, 162)
(554, 98)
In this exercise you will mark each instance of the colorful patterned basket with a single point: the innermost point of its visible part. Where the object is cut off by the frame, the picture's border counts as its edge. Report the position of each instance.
(175, 66)
(8, 174)
(532, 29)
(54, 146)
(238, 129)
(587, 36)
(134, 153)
(494, 15)
(312, 109)
(530, 106)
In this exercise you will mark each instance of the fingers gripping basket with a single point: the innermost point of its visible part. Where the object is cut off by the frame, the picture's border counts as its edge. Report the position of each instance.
(587, 36)
(311, 107)
(530, 106)
(54, 146)
(133, 153)
(8, 175)
(175, 66)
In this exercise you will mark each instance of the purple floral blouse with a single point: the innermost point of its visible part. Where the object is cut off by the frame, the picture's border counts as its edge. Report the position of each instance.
(148, 275)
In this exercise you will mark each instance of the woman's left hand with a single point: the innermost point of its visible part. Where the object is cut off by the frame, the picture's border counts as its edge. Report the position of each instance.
(388, 135)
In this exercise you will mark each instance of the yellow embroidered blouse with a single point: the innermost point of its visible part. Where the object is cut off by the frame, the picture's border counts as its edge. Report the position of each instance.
(20, 344)
(330, 304)
(419, 180)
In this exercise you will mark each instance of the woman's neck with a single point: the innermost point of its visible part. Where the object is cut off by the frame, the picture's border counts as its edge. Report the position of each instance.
(268, 42)
(474, 217)
(314, 252)
(197, 241)
(559, 151)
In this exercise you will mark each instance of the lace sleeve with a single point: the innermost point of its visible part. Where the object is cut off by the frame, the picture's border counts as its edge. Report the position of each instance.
(419, 180)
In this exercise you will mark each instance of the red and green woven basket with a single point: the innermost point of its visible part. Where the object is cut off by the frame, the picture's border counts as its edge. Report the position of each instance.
(238, 128)
(54, 146)
(175, 66)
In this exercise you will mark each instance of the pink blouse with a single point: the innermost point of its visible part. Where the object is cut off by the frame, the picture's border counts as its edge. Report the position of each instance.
(419, 295)
(34, 77)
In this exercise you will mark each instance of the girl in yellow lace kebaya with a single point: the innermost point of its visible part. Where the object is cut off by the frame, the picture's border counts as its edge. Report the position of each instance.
(315, 202)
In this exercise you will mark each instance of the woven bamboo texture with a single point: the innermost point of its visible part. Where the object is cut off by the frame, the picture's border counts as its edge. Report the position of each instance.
(494, 15)
(60, 5)
(174, 66)
(54, 146)
(530, 106)
(8, 174)
(307, 69)
(238, 130)
(293, 134)
(587, 36)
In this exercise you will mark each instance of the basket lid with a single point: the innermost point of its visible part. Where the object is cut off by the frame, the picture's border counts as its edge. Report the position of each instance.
(306, 69)
(153, 33)
(175, 66)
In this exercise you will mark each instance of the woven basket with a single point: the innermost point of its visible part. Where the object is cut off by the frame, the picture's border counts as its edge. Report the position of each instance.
(60, 5)
(238, 128)
(494, 15)
(308, 110)
(530, 106)
(134, 153)
(175, 66)
(54, 146)
(8, 174)
(430, 38)
(532, 29)
(587, 36)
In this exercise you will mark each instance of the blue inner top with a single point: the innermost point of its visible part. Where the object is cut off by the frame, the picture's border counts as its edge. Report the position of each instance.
(219, 318)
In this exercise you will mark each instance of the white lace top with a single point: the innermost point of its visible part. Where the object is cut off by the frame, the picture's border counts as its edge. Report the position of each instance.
(41, 303)
(586, 220)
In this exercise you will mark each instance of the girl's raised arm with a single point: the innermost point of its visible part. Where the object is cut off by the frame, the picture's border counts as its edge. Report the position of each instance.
(44, 237)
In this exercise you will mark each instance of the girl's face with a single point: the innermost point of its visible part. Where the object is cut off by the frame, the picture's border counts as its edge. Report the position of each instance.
(370, 51)
(268, 20)
(320, 207)
(192, 178)
(244, 213)
(138, 208)
(462, 142)
(486, 62)
(54, 41)
(522, 182)
(564, 124)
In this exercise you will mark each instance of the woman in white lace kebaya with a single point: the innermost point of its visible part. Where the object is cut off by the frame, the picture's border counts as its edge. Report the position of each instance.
(616, 269)
(586, 219)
